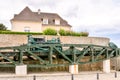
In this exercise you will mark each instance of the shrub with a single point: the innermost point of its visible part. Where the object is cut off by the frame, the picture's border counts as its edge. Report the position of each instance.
(49, 31)
(62, 32)
(72, 33)
(68, 33)
(84, 33)
(75, 34)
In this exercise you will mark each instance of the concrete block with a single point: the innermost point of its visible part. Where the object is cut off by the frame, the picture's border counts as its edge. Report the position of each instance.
(106, 66)
(21, 70)
(73, 69)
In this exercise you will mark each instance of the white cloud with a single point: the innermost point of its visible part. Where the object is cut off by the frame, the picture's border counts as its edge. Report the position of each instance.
(98, 17)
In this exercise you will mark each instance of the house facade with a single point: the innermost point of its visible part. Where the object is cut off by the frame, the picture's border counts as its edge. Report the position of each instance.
(28, 21)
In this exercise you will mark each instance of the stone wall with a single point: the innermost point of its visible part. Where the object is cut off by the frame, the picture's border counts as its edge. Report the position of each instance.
(15, 40)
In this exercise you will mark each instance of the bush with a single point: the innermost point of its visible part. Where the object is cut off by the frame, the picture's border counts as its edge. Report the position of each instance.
(84, 33)
(75, 34)
(68, 33)
(50, 31)
(62, 32)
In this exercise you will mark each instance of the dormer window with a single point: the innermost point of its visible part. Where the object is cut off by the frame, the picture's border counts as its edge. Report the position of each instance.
(53, 20)
(45, 21)
(57, 22)
(41, 19)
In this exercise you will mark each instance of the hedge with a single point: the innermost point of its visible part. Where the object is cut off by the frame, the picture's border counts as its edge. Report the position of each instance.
(62, 32)
(21, 33)
(49, 31)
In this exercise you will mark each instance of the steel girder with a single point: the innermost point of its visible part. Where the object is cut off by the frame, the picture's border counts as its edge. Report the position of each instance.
(45, 54)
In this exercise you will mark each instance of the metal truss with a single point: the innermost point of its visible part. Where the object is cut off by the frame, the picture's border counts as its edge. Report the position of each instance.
(45, 54)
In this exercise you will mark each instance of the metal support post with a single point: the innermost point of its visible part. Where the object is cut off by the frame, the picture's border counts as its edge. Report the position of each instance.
(72, 77)
(73, 54)
(20, 57)
(115, 74)
(50, 55)
(34, 77)
(97, 76)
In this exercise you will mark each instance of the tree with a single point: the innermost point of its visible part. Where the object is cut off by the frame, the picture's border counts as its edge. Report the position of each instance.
(2, 27)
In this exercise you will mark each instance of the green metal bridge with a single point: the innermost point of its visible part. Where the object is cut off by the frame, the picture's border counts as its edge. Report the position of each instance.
(41, 53)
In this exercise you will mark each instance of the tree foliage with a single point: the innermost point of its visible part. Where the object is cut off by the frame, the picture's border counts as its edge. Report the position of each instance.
(2, 27)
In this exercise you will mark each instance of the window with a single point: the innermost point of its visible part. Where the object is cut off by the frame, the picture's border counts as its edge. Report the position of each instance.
(27, 29)
(41, 19)
(45, 21)
(53, 20)
(57, 21)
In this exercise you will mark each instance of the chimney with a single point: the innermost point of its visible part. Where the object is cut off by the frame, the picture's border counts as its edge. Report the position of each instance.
(38, 11)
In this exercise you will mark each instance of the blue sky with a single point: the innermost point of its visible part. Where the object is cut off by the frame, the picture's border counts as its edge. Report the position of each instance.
(101, 18)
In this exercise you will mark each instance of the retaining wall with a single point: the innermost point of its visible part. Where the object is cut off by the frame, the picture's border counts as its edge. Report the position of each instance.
(15, 40)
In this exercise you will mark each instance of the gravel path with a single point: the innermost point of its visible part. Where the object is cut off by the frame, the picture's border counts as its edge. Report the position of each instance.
(62, 76)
